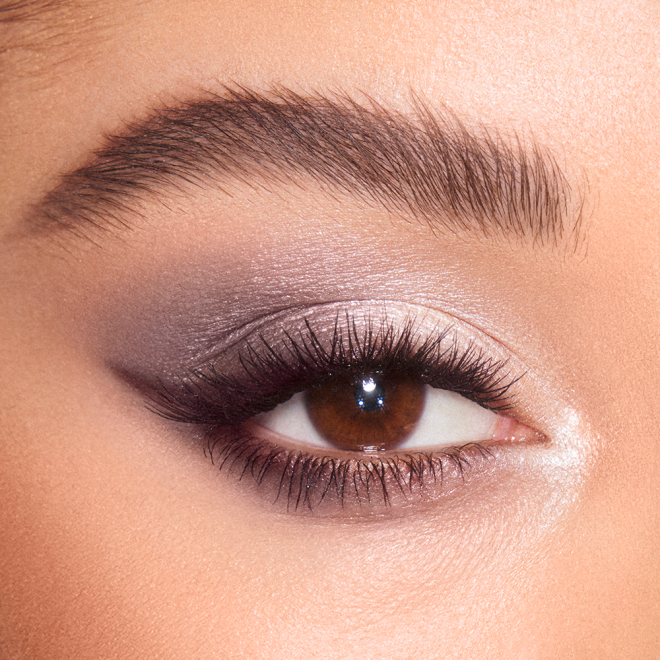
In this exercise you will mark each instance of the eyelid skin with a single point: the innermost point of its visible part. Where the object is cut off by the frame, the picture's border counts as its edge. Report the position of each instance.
(278, 360)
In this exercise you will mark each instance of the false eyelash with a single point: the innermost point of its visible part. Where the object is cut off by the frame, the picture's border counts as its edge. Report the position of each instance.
(271, 373)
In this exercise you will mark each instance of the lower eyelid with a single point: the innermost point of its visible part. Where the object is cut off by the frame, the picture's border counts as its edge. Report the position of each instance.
(324, 484)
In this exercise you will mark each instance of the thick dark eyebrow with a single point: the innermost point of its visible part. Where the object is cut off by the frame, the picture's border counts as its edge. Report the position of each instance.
(426, 164)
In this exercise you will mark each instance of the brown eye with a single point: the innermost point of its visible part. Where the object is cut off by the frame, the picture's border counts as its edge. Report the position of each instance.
(370, 413)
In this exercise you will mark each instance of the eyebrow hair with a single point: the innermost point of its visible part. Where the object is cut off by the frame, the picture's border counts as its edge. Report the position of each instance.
(18, 11)
(426, 164)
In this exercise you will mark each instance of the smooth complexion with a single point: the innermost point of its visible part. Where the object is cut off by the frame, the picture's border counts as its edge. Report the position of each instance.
(121, 538)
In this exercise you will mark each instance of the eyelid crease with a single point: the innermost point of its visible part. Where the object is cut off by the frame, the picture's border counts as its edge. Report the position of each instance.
(212, 343)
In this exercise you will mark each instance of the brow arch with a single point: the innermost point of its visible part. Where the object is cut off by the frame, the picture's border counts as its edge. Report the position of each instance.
(425, 163)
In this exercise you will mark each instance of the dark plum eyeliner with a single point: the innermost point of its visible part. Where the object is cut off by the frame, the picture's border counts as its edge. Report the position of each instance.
(265, 372)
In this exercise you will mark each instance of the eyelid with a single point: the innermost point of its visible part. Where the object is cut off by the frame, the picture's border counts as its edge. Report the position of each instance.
(274, 363)
(269, 368)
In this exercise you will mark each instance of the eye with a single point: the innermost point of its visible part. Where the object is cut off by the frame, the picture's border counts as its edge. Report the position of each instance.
(351, 413)
(379, 412)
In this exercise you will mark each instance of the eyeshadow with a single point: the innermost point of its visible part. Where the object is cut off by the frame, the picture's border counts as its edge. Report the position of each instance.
(173, 316)
(170, 298)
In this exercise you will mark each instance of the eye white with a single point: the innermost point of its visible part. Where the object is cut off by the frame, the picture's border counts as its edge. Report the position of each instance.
(447, 419)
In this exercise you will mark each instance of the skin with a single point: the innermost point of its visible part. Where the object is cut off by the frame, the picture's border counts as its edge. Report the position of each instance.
(120, 539)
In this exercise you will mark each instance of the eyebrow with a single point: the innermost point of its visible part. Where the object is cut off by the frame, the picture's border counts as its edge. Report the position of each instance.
(426, 164)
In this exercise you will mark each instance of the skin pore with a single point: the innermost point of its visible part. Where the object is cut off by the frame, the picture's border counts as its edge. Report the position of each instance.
(122, 539)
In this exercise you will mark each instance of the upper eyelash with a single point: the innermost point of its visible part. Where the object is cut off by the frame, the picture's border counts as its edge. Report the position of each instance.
(271, 373)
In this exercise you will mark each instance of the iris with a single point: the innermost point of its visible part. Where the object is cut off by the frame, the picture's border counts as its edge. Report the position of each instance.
(373, 413)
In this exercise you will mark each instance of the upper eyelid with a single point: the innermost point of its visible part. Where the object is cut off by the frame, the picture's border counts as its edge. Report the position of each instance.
(143, 362)
(353, 321)
(213, 347)
(267, 375)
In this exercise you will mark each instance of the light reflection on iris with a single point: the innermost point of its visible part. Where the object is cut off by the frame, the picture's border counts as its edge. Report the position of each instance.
(369, 395)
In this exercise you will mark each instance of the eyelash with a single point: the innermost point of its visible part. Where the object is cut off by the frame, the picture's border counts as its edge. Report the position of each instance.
(270, 373)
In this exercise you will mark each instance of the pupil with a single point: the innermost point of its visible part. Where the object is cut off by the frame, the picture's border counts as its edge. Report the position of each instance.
(370, 395)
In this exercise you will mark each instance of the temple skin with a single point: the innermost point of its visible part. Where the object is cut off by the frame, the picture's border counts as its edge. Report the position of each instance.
(121, 539)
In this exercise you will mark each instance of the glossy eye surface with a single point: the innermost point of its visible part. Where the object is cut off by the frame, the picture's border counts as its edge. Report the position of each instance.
(378, 412)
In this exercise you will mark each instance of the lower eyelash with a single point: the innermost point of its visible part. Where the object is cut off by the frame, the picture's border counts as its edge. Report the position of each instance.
(304, 481)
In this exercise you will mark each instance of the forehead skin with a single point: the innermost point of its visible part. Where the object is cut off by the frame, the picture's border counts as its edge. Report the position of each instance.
(95, 564)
